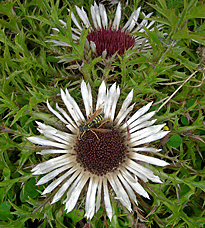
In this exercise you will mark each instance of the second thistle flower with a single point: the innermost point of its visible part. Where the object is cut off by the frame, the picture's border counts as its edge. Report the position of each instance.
(106, 38)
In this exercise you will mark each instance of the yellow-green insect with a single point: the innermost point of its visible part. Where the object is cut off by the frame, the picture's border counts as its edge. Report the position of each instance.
(90, 123)
(94, 120)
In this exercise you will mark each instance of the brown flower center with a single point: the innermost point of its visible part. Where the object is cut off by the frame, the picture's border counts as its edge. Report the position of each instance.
(111, 39)
(101, 152)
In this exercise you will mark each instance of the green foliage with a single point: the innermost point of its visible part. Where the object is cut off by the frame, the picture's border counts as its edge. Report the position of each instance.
(175, 141)
(31, 73)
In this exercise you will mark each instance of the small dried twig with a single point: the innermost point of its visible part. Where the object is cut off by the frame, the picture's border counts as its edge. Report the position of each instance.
(169, 83)
(176, 91)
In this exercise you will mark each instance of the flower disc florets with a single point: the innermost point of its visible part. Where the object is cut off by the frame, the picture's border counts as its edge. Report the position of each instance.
(101, 152)
(111, 40)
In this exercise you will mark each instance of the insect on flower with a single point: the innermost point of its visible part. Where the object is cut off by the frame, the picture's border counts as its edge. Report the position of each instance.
(94, 120)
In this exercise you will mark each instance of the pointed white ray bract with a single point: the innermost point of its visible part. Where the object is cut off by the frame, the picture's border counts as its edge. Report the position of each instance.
(108, 206)
(66, 185)
(111, 93)
(99, 194)
(117, 18)
(87, 98)
(83, 16)
(58, 181)
(71, 202)
(90, 198)
(139, 113)
(53, 174)
(103, 15)
(147, 159)
(45, 142)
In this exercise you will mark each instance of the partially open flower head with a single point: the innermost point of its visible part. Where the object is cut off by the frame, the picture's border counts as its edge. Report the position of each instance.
(106, 38)
(103, 150)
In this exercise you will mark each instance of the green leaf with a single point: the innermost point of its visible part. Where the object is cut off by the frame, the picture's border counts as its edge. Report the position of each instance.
(175, 141)
(68, 30)
(182, 34)
(7, 9)
(196, 12)
(5, 214)
(163, 4)
(190, 103)
(76, 215)
(5, 206)
(184, 120)
(11, 24)
(20, 113)
(30, 190)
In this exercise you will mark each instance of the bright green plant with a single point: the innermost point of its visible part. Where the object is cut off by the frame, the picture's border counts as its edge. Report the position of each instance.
(30, 74)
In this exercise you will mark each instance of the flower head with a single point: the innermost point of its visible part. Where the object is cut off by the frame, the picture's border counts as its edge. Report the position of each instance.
(102, 151)
(108, 38)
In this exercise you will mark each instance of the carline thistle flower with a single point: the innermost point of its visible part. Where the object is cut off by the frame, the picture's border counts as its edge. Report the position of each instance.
(106, 39)
(109, 154)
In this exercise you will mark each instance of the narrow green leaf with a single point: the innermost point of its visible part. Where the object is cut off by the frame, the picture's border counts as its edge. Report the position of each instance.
(163, 4)
(196, 12)
(20, 113)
